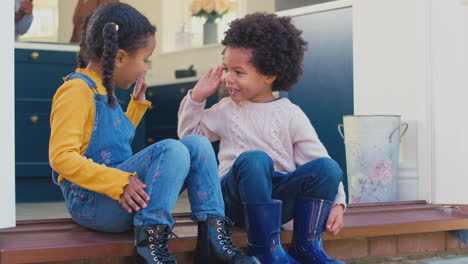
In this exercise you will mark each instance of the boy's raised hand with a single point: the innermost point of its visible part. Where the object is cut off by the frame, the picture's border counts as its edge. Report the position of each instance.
(335, 220)
(134, 196)
(140, 89)
(207, 85)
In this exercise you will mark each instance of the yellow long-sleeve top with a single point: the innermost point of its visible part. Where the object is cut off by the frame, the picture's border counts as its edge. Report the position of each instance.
(71, 123)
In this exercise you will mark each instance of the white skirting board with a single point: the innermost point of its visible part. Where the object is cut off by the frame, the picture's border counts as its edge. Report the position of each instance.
(408, 181)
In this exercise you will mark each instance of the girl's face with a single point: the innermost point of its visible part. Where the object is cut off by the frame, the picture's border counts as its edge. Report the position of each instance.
(242, 79)
(129, 67)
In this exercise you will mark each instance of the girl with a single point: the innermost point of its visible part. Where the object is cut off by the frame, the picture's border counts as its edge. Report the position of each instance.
(105, 187)
(273, 165)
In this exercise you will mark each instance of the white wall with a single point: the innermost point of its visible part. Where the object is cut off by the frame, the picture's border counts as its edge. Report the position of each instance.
(411, 58)
(390, 76)
(7, 100)
(449, 39)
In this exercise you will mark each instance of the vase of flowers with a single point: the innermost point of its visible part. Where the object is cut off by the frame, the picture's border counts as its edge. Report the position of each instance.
(211, 10)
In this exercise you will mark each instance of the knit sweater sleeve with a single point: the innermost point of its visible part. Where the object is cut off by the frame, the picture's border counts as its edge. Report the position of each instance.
(194, 119)
(307, 146)
(72, 108)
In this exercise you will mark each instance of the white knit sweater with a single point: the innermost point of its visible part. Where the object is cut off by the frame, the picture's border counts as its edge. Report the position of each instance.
(279, 128)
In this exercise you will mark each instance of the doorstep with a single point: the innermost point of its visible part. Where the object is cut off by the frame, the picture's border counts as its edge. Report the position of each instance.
(372, 231)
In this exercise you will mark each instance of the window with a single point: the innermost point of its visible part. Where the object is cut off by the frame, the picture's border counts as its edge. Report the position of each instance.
(184, 31)
(45, 23)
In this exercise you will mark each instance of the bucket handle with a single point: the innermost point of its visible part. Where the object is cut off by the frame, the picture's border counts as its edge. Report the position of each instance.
(398, 129)
(340, 130)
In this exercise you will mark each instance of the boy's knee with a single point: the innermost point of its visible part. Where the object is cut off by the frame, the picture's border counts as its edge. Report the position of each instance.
(256, 167)
(255, 159)
(331, 171)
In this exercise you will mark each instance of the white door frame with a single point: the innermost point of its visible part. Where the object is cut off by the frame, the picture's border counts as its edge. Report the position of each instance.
(7, 116)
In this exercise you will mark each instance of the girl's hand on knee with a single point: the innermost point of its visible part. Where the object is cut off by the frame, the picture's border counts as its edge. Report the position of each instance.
(335, 220)
(207, 85)
(134, 196)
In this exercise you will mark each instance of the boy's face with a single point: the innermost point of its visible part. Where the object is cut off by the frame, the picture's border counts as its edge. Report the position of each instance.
(129, 67)
(241, 78)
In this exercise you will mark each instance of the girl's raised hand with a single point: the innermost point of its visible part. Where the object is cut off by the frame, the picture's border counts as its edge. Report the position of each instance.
(134, 196)
(207, 85)
(140, 89)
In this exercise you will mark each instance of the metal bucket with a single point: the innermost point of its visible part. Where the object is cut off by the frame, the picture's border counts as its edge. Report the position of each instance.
(372, 155)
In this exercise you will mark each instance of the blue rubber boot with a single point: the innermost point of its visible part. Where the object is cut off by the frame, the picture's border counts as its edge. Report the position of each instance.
(310, 218)
(262, 223)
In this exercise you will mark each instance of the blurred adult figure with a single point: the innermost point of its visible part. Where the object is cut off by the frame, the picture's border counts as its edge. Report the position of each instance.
(82, 10)
(23, 16)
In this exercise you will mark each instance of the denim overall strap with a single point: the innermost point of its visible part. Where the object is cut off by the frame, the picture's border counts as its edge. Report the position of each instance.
(82, 76)
(112, 131)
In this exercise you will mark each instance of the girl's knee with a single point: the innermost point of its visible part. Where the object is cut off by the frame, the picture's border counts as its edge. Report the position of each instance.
(196, 142)
(195, 139)
(174, 149)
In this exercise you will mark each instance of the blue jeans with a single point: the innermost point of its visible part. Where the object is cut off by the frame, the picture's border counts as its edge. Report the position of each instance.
(166, 167)
(253, 178)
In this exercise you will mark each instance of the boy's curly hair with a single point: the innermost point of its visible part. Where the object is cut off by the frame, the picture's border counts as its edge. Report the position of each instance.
(277, 46)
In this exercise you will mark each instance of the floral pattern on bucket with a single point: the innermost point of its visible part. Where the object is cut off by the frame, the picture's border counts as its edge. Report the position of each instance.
(381, 170)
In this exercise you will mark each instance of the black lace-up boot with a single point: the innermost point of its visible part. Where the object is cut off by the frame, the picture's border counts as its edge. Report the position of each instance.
(214, 244)
(151, 244)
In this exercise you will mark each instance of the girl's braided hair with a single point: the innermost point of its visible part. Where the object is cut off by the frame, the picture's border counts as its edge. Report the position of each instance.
(107, 29)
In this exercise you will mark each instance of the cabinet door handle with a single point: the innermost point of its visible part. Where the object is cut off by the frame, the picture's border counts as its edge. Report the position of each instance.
(151, 107)
(150, 94)
(34, 55)
(183, 91)
(34, 119)
(150, 140)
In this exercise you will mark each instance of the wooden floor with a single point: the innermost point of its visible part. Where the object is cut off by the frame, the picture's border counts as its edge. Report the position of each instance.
(61, 239)
(58, 209)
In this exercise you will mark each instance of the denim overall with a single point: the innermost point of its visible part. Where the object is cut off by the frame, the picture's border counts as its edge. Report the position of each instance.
(166, 167)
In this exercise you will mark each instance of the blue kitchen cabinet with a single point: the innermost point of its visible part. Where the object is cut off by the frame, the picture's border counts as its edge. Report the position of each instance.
(325, 91)
(38, 73)
(161, 119)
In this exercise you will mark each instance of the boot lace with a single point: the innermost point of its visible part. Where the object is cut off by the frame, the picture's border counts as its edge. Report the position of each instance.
(158, 243)
(225, 227)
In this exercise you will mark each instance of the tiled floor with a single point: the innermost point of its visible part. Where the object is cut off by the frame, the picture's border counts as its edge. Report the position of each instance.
(49, 210)
(444, 258)
(456, 260)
